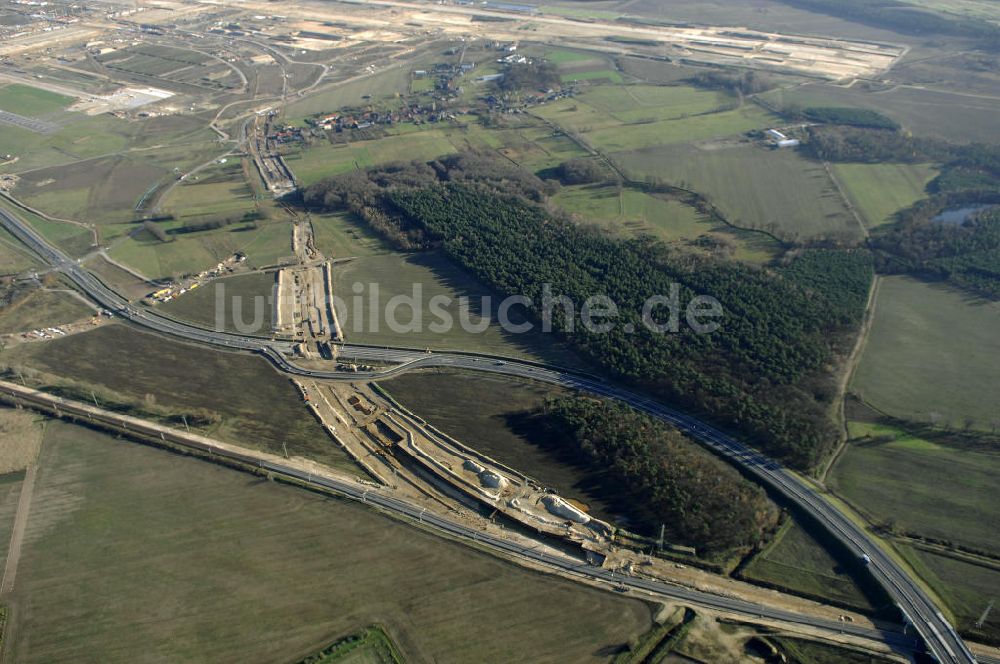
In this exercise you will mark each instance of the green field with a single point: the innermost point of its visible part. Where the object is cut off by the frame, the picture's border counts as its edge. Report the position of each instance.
(595, 75)
(121, 281)
(108, 189)
(226, 389)
(89, 137)
(327, 159)
(795, 561)
(961, 118)
(920, 487)
(682, 130)
(432, 273)
(385, 84)
(219, 192)
(879, 191)
(965, 587)
(336, 235)
(264, 242)
(31, 102)
(628, 212)
(194, 562)
(14, 256)
(567, 57)
(42, 308)
(772, 190)
(200, 306)
(75, 240)
(931, 350)
(639, 110)
(10, 490)
(526, 142)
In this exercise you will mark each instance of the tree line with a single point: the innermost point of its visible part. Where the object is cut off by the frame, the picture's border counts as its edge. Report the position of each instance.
(665, 478)
(966, 254)
(764, 372)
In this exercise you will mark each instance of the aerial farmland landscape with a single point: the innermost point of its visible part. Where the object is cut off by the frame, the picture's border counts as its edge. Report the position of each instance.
(465, 331)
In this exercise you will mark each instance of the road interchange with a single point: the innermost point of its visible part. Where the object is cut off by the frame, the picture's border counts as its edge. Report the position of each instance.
(940, 638)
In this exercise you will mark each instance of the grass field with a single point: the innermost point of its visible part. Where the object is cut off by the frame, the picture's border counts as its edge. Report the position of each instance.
(384, 84)
(771, 190)
(879, 191)
(432, 273)
(608, 106)
(20, 440)
(795, 561)
(265, 243)
(594, 75)
(227, 387)
(107, 189)
(931, 350)
(199, 563)
(920, 487)
(955, 117)
(966, 588)
(324, 160)
(562, 56)
(629, 213)
(88, 137)
(31, 102)
(42, 308)
(220, 192)
(121, 281)
(200, 306)
(14, 256)
(10, 491)
(681, 130)
(336, 235)
(73, 239)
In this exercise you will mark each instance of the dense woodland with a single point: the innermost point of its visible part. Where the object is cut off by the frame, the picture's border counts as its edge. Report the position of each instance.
(966, 254)
(765, 371)
(667, 479)
(873, 146)
(745, 83)
(857, 117)
(533, 76)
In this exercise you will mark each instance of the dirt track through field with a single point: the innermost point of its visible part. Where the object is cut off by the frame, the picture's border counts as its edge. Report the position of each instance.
(17, 534)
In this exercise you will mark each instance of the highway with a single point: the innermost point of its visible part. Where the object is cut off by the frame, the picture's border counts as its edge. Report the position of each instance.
(940, 638)
(374, 497)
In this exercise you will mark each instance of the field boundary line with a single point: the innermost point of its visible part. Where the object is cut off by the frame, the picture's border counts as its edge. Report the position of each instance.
(17, 533)
(850, 368)
(848, 203)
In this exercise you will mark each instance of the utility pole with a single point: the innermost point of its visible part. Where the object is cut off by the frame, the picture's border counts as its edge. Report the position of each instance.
(184, 417)
(285, 448)
(663, 528)
(94, 397)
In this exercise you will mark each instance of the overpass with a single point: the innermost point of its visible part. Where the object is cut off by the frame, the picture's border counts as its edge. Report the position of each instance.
(941, 639)
(373, 495)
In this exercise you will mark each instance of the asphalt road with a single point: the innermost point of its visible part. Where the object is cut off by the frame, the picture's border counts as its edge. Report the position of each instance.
(940, 638)
(373, 496)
